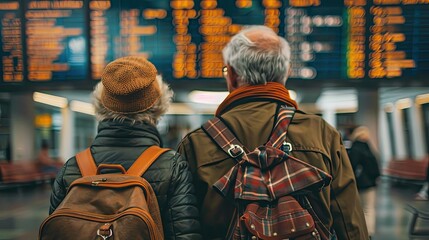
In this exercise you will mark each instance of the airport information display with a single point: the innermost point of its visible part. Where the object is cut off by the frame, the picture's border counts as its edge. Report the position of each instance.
(331, 40)
(12, 54)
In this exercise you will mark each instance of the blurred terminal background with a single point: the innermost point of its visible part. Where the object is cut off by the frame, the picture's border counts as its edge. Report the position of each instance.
(354, 62)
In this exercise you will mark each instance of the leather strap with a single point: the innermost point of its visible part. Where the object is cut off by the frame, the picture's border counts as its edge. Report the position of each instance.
(278, 135)
(229, 143)
(224, 138)
(145, 160)
(86, 163)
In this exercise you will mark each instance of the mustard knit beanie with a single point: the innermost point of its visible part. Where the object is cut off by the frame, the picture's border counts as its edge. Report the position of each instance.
(130, 85)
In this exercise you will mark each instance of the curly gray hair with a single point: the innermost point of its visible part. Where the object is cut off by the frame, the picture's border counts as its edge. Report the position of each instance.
(261, 61)
(151, 115)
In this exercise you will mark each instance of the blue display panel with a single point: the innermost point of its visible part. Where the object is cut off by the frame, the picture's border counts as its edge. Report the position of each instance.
(317, 32)
(11, 51)
(337, 41)
(123, 28)
(56, 40)
(399, 39)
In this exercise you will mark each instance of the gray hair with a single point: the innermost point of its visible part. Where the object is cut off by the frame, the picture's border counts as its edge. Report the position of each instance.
(151, 115)
(261, 61)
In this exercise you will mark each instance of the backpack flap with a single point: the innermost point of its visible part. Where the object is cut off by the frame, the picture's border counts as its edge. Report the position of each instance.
(284, 220)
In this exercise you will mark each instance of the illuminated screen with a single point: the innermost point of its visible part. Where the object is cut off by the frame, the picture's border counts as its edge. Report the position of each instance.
(331, 40)
(56, 40)
(11, 61)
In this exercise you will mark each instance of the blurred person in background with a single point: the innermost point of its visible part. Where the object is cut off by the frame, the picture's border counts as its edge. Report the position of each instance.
(257, 67)
(44, 160)
(129, 102)
(367, 171)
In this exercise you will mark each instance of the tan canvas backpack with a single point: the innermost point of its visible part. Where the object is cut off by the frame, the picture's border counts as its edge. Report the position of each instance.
(107, 206)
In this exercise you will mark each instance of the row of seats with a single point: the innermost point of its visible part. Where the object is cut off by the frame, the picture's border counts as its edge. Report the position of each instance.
(25, 172)
(407, 169)
(412, 171)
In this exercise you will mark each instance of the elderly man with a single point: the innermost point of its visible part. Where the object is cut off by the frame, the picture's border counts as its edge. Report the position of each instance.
(257, 66)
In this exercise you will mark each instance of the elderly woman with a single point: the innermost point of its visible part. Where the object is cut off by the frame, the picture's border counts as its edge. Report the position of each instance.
(129, 101)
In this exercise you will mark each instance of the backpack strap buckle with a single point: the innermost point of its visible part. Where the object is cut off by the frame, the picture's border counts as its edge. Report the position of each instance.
(235, 150)
(105, 231)
(287, 147)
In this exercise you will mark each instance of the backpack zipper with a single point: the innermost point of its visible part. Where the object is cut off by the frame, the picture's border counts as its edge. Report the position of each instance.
(103, 182)
(96, 182)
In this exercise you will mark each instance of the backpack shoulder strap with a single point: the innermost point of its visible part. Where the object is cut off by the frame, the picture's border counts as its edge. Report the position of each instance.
(284, 118)
(86, 163)
(224, 138)
(145, 160)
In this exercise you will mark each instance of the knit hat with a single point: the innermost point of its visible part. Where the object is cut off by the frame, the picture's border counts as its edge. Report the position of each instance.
(130, 85)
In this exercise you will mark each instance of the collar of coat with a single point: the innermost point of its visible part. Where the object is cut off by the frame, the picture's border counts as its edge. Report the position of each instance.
(269, 91)
(125, 133)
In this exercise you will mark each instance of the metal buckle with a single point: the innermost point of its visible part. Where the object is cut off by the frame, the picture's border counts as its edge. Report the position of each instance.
(104, 236)
(289, 147)
(232, 148)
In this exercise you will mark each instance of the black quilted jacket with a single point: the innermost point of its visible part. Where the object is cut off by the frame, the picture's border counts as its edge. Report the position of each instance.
(122, 143)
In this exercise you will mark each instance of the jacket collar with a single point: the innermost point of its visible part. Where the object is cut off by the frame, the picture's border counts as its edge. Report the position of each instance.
(116, 133)
(271, 91)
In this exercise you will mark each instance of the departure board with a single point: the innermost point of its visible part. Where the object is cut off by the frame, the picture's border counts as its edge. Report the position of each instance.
(122, 28)
(56, 39)
(398, 39)
(11, 62)
(336, 41)
(316, 33)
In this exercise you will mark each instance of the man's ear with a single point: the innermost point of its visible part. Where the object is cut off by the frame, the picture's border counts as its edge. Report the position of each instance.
(233, 78)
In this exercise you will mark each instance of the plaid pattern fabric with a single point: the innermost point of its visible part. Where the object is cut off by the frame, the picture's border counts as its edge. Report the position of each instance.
(286, 219)
(281, 176)
(220, 133)
(278, 135)
(267, 173)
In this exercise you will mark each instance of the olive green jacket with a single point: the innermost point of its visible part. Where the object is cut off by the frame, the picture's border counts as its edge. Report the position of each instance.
(313, 140)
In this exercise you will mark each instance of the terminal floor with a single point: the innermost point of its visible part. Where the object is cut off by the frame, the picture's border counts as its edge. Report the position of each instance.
(23, 209)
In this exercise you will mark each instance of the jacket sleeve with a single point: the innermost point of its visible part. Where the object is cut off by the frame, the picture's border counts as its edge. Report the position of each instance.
(183, 218)
(58, 190)
(348, 218)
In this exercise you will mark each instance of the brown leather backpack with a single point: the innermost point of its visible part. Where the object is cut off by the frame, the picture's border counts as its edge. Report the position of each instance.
(108, 206)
